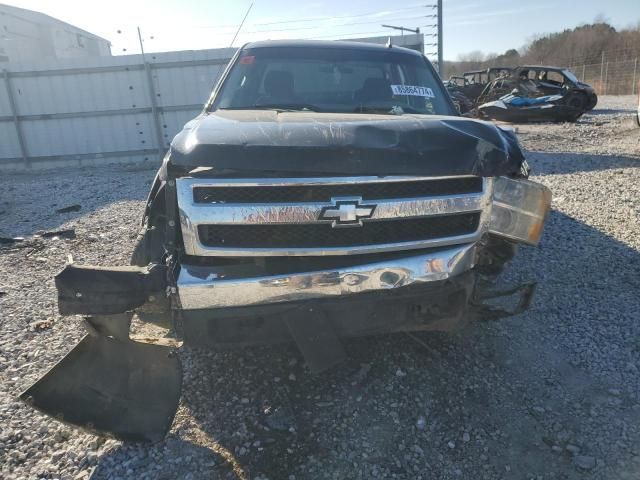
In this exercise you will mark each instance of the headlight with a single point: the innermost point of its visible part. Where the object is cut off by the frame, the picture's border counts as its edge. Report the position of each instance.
(519, 209)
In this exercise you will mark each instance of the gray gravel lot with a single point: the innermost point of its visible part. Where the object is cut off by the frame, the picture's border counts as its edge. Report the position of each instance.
(552, 393)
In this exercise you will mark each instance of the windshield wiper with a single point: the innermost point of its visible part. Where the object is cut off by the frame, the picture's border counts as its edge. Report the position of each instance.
(385, 109)
(290, 107)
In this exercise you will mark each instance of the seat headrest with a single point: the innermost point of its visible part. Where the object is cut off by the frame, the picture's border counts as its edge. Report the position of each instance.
(374, 89)
(278, 83)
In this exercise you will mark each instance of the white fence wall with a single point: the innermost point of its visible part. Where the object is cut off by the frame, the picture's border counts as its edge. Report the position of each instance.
(101, 110)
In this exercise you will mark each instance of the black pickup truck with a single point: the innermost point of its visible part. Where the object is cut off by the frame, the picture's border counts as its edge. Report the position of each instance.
(327, 190)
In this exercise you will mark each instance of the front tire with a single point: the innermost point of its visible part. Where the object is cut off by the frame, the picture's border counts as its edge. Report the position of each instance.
(577, 101)
(576, 104)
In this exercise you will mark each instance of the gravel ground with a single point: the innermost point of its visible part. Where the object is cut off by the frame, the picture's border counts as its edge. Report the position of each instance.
(552, 393)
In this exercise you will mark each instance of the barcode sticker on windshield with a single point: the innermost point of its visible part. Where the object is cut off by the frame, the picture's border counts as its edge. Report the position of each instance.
(412, 90)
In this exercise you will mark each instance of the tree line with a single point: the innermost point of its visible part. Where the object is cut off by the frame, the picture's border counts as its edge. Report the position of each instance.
(583, 45)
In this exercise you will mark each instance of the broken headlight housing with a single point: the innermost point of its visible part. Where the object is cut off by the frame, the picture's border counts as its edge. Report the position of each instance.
(519, 209)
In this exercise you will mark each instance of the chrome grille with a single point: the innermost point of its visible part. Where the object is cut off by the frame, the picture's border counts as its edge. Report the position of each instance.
(324, 193)
(302, 235)
(299, 216)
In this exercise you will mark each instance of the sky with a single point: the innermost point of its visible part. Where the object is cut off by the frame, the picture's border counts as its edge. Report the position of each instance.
(491, 26)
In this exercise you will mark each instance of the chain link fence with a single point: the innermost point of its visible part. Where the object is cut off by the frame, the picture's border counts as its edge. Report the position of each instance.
(611, 77)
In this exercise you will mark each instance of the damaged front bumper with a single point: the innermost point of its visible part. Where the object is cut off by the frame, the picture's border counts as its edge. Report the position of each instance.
(202, 287)
(113, 385)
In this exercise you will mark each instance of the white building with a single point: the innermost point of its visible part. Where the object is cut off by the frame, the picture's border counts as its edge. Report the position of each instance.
(26, 35)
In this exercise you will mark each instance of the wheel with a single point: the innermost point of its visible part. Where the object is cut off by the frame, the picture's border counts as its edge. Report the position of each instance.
(576, 101)
(572, 117)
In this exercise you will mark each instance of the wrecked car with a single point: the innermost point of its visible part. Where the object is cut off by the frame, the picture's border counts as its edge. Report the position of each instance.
(477, 76)
(560, 81)
(521, 109)
(498, 72)
(456, 80)
(455, 86)
(534, 93)
(327, 190)
(464, 90)
(475, 81)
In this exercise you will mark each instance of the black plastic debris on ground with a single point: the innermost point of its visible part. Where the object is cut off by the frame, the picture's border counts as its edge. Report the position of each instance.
(21, 242)
(10, 241)
(68, 233)
(70, 208)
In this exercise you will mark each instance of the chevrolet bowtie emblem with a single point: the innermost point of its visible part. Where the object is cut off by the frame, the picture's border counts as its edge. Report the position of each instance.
(347, 213)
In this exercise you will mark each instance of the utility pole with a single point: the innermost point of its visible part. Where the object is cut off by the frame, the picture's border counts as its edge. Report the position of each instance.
(440, 54)
(438, 7)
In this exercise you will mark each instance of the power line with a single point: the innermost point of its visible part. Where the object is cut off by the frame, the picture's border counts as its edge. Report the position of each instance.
(343, 16)
(380, 32)
(352, 34)
(338, 25)
(382, 17)
(342, 35)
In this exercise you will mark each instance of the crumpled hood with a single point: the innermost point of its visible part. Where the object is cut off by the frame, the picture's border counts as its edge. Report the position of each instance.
(345, 144)
(587, 87)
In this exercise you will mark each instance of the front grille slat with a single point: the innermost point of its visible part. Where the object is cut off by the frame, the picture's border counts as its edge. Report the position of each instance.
(322, 235)
(324, 193)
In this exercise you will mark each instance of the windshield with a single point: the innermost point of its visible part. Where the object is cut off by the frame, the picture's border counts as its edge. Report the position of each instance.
(332, 80)
(571, 76)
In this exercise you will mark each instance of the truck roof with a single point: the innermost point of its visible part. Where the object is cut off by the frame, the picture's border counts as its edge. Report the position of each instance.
(328, 44)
